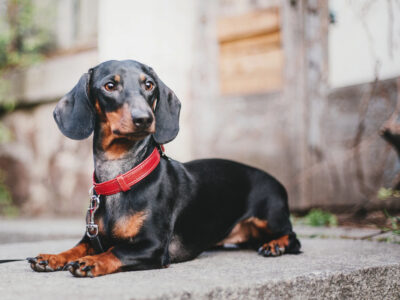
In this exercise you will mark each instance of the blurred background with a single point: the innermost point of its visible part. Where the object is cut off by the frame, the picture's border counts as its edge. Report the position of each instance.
(307, 90)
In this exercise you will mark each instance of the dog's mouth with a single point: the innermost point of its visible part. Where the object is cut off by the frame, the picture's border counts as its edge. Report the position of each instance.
(133, 135)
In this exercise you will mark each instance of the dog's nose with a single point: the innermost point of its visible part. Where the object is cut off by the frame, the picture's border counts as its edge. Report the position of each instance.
(142, 119)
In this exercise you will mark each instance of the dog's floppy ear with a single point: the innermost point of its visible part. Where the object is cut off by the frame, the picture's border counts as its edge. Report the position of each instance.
(167, 112)
(74, 114)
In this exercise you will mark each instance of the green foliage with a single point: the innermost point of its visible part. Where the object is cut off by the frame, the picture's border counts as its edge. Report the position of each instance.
(23, 42)
(7, 208)
(318, 217)
(387, 193)
(5, 134)
(394, 224)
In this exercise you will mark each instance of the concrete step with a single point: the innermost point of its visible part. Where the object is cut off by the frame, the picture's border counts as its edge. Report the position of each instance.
(327, 269)
(29, 230)
(26, 230)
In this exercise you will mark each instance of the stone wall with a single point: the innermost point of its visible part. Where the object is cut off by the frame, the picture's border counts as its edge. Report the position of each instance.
(352, 161)
(46, 172)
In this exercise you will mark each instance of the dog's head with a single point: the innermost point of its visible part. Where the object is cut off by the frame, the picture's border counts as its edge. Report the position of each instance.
(128, 96)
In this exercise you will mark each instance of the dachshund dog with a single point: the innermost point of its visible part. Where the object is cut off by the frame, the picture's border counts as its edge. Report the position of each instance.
(174, 211)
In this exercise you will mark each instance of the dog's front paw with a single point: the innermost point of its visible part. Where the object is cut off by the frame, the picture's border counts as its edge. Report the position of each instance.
(93, 266)
(47, 262)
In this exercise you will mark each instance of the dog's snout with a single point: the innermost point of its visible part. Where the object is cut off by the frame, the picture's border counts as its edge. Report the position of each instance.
(142, 119)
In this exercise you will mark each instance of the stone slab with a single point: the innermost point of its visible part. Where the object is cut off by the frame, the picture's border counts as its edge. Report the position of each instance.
(327, 268)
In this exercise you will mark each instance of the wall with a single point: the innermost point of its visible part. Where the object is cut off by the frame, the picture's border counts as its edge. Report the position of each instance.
(304, 134)
(47, 173)
(257, 129)
(364, 42)
(354, 162)
(307, 135)
(161, 35)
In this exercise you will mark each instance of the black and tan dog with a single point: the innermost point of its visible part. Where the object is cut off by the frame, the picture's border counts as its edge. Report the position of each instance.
(178, 210)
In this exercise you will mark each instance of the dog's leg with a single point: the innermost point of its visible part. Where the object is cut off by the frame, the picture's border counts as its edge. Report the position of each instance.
(269, 203)
(96, 265)
(56, 262)
(121, 257)
(278, 237)
(253, 232)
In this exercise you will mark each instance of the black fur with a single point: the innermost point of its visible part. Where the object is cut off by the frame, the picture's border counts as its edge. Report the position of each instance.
(167, 112)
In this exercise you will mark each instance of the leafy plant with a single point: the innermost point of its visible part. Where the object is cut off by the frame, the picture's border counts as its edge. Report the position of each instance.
(318, 217)
(23, 42)
(387, 193)
(7, 208)
(394, 223)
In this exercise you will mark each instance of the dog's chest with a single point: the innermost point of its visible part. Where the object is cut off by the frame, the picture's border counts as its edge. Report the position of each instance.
(124, 227)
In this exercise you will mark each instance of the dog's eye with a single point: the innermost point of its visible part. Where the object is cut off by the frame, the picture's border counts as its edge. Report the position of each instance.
(148, 85)
(110, 86)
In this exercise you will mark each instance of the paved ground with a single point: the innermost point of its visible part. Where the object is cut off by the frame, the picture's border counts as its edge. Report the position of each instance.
(347, 233)
(327, 268)
(27, 230)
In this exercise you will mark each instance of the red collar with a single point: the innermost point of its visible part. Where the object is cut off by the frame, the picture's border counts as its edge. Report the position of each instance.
(124, 182)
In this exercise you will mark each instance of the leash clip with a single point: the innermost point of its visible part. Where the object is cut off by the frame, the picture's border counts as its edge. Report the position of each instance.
(92, 229)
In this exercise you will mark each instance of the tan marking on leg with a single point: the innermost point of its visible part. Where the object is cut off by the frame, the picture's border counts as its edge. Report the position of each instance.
(281, 242)
(251, 228)
(101, 264)
(57, 261)
(129, 226)
(261, 224)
